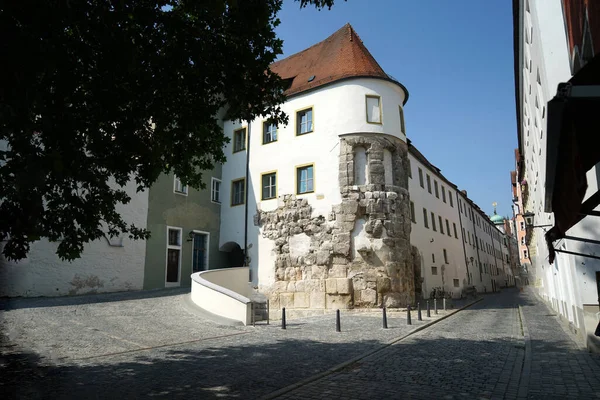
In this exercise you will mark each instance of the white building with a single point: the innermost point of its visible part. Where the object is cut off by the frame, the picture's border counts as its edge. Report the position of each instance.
(553, 41)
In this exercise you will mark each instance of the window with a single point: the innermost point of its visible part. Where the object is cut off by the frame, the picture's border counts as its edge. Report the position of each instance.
(173, 263)
(435, 186)
(179, 187)
(304, 121)
(523, 240)
(450, 198)
(456, 282)
(373, 109)
(409, 169)
(448, 228)
(402, 127)
(412, 212)
(433, 270)
(524, 253)
(433, 257)
(269, 185)
(445, 256)
(464, 236)
(361, 166)
(425, 220)
(522, 225)
(443, 194)
(421, 178)
(433, 222)
(269, 132)
(238, 189)
(455, 233)
(441, 224)
(469, 235)
(428, 183)
(239, 140)
(215, 190)
(305, 179)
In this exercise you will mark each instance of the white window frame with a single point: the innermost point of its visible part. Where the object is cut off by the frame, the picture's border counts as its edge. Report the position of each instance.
(212, 190)
(207, 234)
(178, 187)
(173, 247)
(379, 109)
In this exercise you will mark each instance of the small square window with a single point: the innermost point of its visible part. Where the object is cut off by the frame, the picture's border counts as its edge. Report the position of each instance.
(239, 140)
(179, 187)
(269, 186)
(238, 192)
(215, 190)
(373, 109)
(304, 121)
(269, 132)
(305, 179)
(412, 212)
(433, 270)
(456, 282)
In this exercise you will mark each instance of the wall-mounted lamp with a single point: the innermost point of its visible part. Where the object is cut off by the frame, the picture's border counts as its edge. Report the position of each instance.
(529, 221)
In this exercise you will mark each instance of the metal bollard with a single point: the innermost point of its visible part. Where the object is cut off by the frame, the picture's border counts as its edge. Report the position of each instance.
(428, 310)
(283, 318)
(338, 327)
(435, 306)
(384, 318)
(408, 320)
(419, 316)
(444, 304)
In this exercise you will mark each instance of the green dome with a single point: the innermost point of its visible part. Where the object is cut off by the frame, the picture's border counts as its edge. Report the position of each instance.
(497, 219)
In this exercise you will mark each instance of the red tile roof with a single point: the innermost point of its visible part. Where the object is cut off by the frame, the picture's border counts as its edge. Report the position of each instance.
(340, 56)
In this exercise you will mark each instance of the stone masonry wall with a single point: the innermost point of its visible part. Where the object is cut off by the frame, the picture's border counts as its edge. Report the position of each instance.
(359, 255)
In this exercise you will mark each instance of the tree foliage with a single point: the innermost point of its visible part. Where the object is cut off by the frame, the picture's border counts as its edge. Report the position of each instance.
(95, 93)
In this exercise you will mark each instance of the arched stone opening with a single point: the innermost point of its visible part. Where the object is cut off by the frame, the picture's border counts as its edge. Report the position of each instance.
(235, 256)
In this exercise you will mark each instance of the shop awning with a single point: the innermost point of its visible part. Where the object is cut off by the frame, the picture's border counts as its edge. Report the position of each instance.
(573, 148)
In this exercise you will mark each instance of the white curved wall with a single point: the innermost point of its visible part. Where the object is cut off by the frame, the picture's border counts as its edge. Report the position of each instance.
(223, 292)
(101, 268)
(338, 109)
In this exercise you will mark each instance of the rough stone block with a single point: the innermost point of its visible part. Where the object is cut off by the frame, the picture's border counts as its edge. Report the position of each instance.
(279, 286)
(300, 286)
(349, 207)
(344, 286)
(323, 257)
(338, 271)
(314, 285)
(368, 296)
(317, 300)
(357, 298)
(291, 287)
(339, 301)
(392, 195)
(342, 248)
(383, 285)
(301, 300)
(318, 272)
(331, 285)
(286, 299)
(274, 302)
(340, 260)
(359, 283)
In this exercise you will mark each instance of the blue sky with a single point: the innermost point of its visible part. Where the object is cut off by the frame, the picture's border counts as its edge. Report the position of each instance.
(456, 60)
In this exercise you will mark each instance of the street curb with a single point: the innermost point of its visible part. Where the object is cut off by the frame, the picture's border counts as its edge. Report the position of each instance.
(343, 365)
(524, 384)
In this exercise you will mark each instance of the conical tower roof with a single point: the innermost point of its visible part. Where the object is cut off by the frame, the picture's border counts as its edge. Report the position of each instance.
(342, 55)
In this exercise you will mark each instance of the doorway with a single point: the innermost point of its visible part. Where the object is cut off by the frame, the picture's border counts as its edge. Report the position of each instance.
(200, 251)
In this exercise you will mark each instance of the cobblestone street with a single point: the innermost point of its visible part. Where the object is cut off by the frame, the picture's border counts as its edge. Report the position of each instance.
(116, 346)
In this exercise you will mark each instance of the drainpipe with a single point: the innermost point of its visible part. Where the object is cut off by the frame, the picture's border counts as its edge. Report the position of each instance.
(246, 200)
(463, 238)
